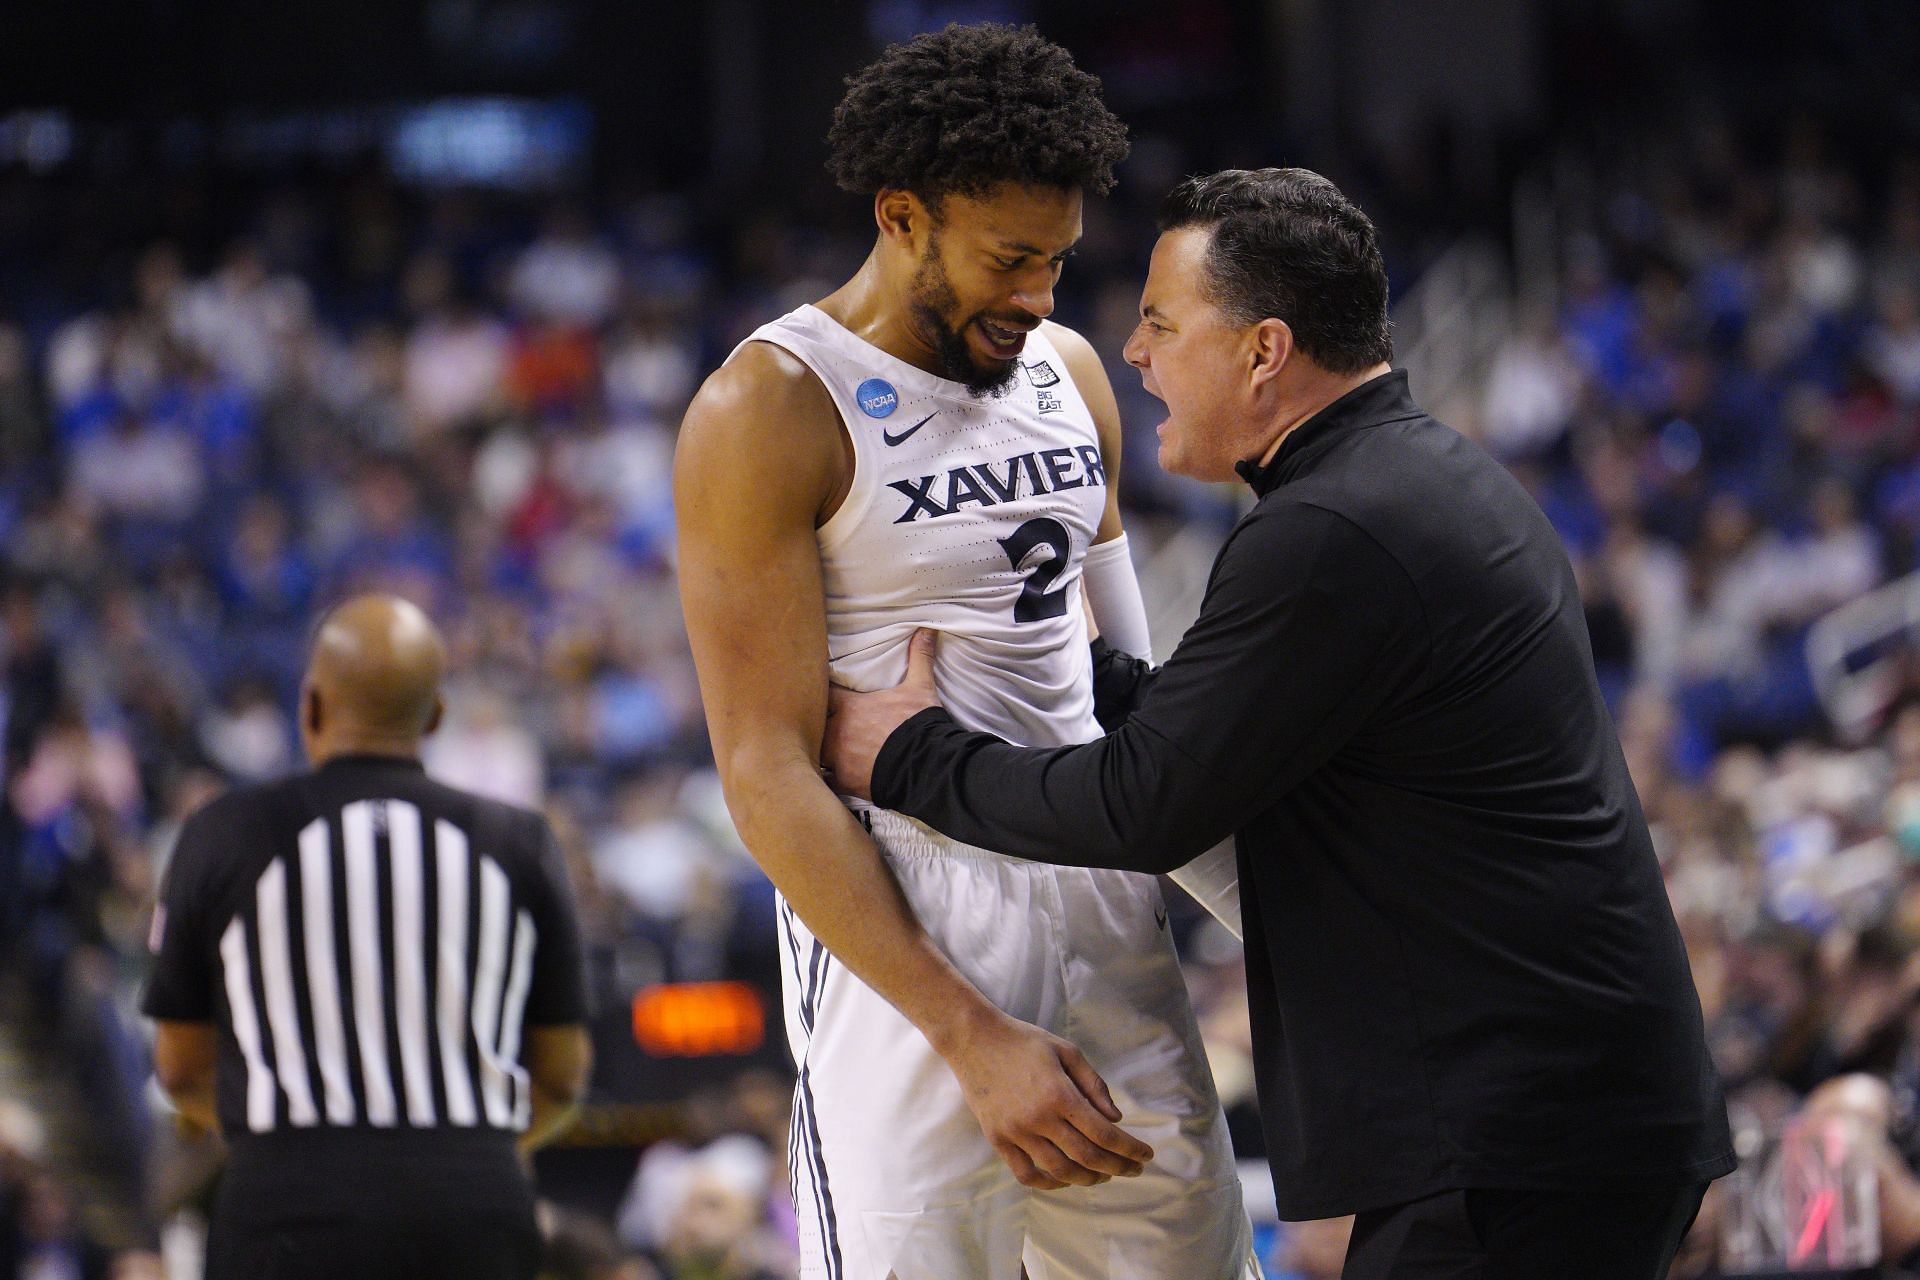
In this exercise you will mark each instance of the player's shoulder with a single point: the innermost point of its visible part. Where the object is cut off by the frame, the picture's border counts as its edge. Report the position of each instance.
(1070, 343)
(1084, 367)
(1082, 362)
(761, 382)
(762, 426)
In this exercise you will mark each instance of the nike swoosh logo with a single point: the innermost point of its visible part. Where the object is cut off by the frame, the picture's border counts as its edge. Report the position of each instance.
(892, 439)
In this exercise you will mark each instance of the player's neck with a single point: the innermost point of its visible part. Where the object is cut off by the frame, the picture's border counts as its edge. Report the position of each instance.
(870, 307)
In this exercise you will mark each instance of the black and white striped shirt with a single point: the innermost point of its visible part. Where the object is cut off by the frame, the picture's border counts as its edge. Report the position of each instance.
(370, 945)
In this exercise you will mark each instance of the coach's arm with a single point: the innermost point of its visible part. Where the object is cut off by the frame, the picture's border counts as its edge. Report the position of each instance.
(1307, 627)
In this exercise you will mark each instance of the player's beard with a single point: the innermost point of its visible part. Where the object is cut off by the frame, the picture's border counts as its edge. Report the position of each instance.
(932, 300)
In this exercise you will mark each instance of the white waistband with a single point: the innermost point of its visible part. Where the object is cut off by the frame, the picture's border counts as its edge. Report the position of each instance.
(902, 837)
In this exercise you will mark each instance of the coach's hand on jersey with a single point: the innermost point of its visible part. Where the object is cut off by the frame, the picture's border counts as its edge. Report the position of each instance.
(858, 724)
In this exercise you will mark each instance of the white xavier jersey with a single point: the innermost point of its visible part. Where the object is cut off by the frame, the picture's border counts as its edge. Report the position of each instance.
(972, 515)
(969, 515)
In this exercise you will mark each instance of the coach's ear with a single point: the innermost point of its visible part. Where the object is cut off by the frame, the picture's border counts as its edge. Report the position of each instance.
(1270, 346)
(434, 716)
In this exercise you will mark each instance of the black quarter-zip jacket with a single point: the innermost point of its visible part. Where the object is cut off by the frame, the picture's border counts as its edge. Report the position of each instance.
(1462, 964)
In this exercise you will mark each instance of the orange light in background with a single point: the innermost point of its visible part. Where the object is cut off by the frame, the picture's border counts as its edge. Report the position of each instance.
(699, 1019)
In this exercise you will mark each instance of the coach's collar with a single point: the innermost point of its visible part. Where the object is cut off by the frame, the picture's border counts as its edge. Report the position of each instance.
(1382, 399)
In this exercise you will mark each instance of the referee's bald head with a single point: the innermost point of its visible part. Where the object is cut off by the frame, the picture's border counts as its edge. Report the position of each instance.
(373, 681)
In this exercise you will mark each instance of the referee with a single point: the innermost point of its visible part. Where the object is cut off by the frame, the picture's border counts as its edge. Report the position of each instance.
(371, 984)
(1474, 1025)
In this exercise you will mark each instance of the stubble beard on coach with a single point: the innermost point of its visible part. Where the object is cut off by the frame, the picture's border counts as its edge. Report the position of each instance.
(932, 299)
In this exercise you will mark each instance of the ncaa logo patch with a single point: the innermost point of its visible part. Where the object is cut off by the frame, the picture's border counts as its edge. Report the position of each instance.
(876, 397)
(1040, 373)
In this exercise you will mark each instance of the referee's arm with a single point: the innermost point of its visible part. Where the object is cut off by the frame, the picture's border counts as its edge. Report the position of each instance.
(559, 1060)
(183, 1063)
(1307, 627)
(180, 990)
(559, 1053)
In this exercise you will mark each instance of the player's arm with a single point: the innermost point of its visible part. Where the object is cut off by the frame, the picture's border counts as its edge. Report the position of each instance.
(184, 1055)
(1123, 657)
(1122, 661)
(761, 460)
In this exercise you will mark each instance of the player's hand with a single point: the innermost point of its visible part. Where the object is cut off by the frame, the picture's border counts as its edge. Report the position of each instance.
(1043, 1107)
(858, 724)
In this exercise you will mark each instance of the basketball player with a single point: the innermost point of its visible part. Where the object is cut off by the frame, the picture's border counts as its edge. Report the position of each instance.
(922, 448)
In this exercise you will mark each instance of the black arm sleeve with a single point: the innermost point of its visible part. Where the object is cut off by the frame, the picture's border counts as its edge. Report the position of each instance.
(1308, 627)
(558, 994)
(180, 987)
(1120, 681)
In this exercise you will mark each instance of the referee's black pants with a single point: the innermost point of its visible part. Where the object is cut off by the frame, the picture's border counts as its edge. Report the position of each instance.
(373, 1206)
(1485, 1234)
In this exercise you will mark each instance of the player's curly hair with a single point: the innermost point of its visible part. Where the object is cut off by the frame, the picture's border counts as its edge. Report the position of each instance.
(961, 110)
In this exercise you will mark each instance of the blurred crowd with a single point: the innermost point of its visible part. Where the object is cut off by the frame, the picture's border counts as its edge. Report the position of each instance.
(468, 402)
(217, 422)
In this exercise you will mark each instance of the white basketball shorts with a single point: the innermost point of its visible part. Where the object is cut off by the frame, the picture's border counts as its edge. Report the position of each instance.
(891, 1174)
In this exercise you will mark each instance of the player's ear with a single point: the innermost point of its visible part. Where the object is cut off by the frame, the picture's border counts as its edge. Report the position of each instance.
(1270, 346)
(434, 717)
(902, 218)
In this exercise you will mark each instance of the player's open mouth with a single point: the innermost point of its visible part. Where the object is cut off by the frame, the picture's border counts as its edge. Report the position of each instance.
(1004, 343)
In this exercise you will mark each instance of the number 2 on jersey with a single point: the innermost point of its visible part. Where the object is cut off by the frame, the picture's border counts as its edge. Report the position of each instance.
(1036, 602)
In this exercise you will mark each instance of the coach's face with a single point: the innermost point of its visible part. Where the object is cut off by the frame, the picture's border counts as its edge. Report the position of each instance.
(1206, 370)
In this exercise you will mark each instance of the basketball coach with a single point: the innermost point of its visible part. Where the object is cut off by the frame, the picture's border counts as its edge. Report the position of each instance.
(371, 984)
(1473, 1019)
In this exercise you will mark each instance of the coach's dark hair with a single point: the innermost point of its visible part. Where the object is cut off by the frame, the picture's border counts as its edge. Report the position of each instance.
(1286, 244)
(961, 110)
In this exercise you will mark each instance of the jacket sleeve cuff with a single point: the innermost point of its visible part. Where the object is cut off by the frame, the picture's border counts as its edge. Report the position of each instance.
(892, 778)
